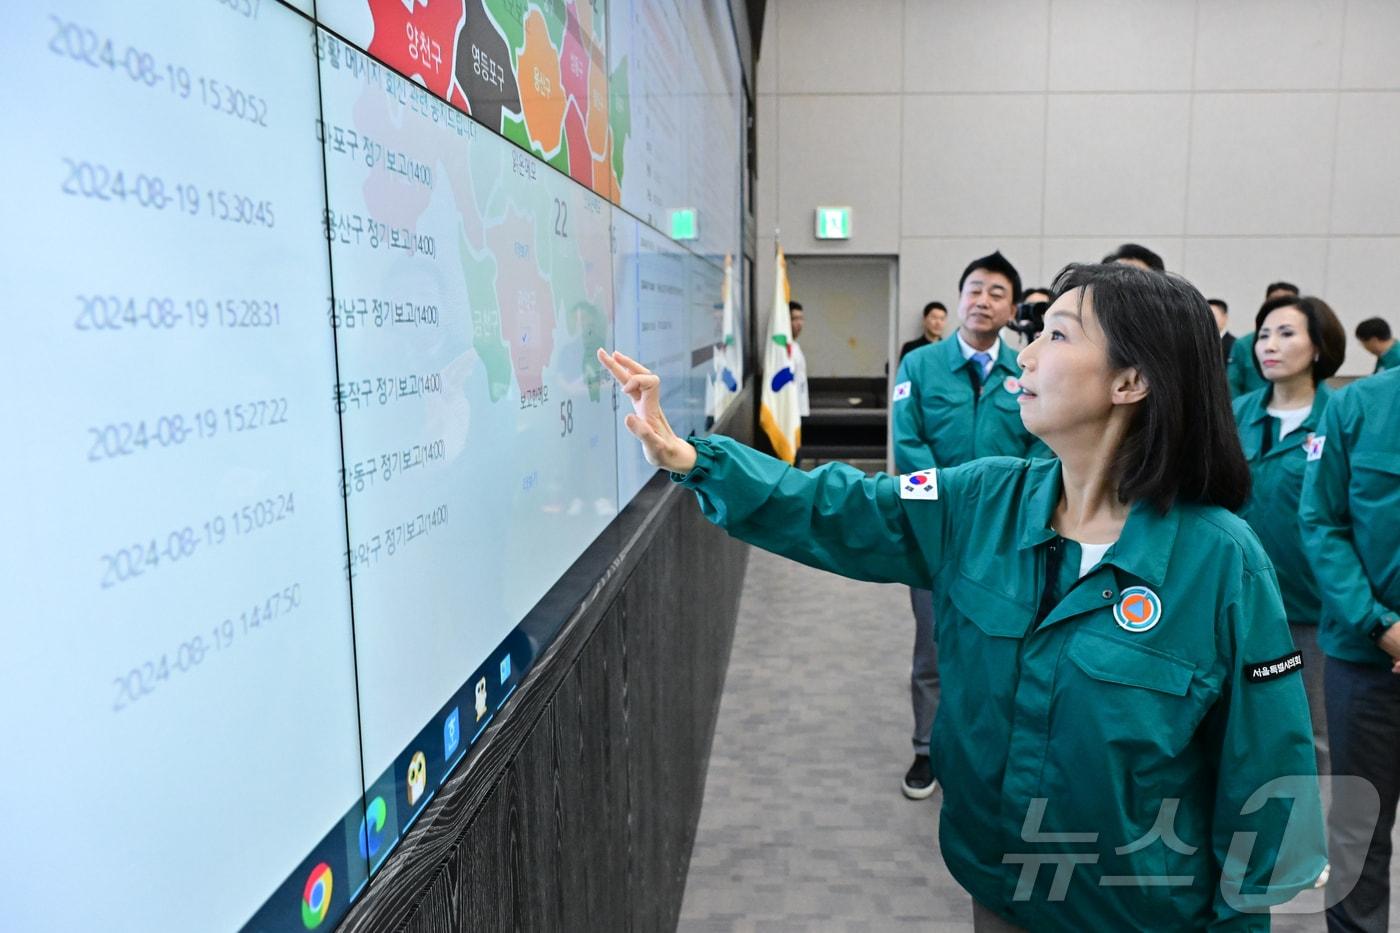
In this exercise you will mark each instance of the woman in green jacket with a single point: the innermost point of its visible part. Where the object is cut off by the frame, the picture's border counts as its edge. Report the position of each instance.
(1298, 343)
(1123, 738)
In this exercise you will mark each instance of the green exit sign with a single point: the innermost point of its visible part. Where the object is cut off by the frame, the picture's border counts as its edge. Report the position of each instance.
(684, 224)
(833, 223)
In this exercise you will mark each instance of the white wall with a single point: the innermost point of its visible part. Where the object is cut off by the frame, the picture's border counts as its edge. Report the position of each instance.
(848, 326)
(1243, 140)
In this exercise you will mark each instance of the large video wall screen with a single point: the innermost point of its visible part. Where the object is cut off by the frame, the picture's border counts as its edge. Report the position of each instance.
(304, 307)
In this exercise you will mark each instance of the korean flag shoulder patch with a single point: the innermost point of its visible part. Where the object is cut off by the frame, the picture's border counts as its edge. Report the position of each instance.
(901, 391)
(1313, 445)
(920, 485)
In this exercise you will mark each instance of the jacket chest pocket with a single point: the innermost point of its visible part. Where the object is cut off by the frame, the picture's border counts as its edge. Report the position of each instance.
(1290, 478)
(980, 633)
(1375, 474)
(1295, 461)
(944, 396)
(1129, 697)
(1003, 400)
(995, 613)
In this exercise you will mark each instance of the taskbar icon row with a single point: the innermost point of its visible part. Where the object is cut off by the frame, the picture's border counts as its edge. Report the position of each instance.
(320, 891)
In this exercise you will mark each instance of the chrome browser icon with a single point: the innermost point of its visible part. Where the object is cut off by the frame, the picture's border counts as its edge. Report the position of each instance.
(316, 896)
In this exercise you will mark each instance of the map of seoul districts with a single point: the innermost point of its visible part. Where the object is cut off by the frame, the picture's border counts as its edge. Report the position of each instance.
(534, 71)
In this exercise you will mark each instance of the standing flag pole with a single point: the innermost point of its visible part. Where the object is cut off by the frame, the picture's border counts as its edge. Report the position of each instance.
(778, 413)
(722, 382)
(728, 370)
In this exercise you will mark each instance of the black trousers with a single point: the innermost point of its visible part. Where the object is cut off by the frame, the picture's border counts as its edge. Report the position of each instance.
(1363, 725)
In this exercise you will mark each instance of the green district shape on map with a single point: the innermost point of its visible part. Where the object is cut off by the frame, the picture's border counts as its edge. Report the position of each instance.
(513, 128)
(562, 260)
(480, 276)
(588, 321)
(619, 118)
(510, 18)
(561, 158)
(556, 17)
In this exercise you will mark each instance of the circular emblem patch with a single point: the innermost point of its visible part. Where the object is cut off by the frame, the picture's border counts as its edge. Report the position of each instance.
(1138, 610)
(916, 480)
(1012, 385)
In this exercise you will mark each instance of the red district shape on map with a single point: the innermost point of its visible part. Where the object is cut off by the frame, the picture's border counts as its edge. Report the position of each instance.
(527, 305)
(395, 200)
(574, 64)
(580, 162)
(420, 41)
(390, 197)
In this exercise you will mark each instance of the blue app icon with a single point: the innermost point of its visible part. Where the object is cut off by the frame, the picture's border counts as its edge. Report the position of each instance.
(505, 668)
(451, 734)
(372, 828)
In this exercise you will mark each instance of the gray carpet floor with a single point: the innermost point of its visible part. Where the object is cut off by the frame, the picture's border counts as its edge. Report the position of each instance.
(803, 826)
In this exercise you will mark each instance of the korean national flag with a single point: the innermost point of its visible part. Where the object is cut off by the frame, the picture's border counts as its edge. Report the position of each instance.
(901, 391)
(920, 485)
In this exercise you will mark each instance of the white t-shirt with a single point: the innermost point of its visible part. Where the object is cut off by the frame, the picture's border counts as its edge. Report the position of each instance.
(799, 379)
(1289, 420)
(1090, 555)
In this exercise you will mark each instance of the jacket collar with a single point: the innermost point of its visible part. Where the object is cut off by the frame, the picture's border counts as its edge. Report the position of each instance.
(953, 355)
(1006, 360)
(1038, 500)
(952, 352)
(1252, 406)
(1254, 411)
(1319, 405)
(1144, 548)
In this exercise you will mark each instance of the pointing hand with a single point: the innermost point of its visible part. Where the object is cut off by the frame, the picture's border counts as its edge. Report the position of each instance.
(648, 422)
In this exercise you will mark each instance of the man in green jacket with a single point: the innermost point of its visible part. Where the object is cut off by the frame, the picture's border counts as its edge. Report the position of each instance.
(1240, 370)
(1374, 334)
(1350, 515)
(955, 401)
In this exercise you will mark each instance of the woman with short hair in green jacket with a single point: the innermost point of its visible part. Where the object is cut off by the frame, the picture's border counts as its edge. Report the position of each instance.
(1123, 738)
(1298, 343)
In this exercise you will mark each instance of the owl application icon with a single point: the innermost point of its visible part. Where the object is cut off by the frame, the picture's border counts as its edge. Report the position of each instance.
(417, 778)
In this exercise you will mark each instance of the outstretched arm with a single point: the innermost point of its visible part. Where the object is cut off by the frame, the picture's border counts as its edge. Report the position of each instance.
(834, 518)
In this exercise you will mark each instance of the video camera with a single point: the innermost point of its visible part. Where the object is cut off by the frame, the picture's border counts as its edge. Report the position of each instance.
(1030, 319)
